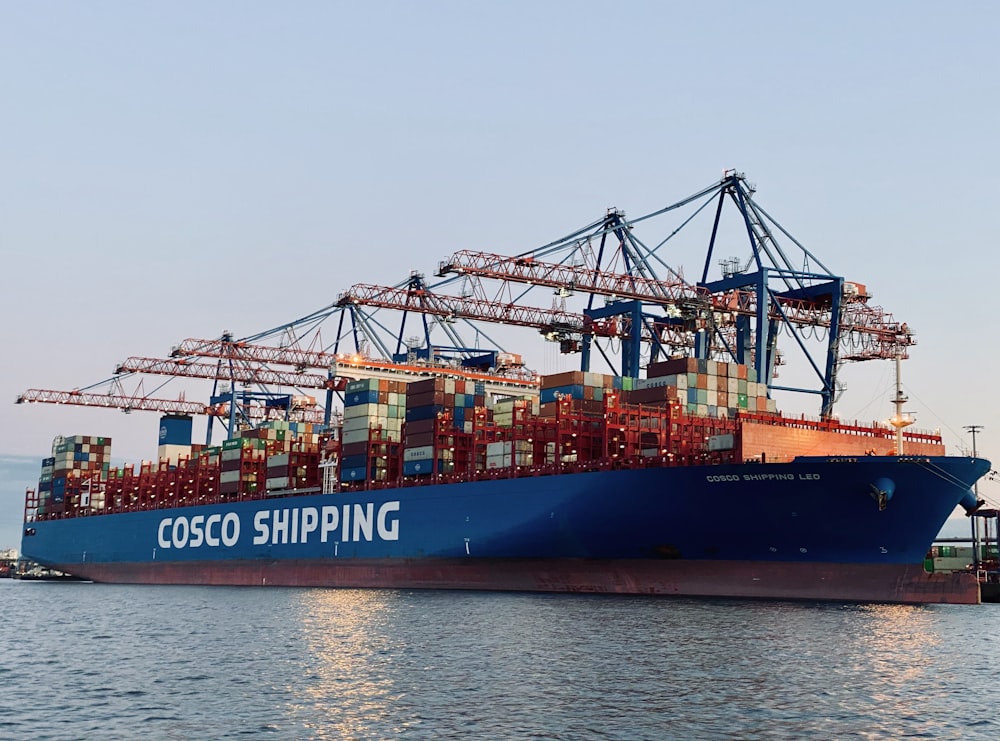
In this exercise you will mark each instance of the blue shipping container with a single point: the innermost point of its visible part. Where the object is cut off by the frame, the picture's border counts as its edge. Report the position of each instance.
(361, 397)
(354, 474)
(354, 461)
(429, 411)
(365, 384)
(574, 391)
(175, 430)
(421, 468)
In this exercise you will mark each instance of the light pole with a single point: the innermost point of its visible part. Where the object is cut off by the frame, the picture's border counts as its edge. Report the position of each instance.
(975, 487)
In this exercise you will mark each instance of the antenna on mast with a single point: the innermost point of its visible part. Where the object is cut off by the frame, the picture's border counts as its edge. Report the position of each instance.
(900, 419)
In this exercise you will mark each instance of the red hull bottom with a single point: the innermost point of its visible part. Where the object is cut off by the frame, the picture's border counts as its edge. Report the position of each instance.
(896, 583)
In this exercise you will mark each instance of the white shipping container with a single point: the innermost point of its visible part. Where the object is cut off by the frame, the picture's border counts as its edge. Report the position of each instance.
(650, 383)
(357, 423)
(502, 447)
(228, 477)
(276, 461)
(173, 453)
(449, 385)
(355, 436)
(721, 442)
(713, 383)
(361, 410)
(277, 482)
(507, 405)
(425, 452)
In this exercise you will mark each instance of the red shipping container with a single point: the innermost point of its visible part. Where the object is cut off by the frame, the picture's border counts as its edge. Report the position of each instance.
(426, 399)
(420, 425)
(425, 385)
(566, 378)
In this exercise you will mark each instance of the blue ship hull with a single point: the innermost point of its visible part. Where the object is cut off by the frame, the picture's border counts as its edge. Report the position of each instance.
(840, 528)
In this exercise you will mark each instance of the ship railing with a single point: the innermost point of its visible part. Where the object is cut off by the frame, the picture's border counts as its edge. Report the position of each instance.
(546, 469)
(874, 429)
(985, 576)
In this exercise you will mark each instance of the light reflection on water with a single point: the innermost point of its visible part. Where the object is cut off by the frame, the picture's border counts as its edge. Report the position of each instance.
(189, 662)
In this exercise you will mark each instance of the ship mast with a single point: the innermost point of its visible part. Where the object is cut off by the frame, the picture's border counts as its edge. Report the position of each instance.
(899, 420)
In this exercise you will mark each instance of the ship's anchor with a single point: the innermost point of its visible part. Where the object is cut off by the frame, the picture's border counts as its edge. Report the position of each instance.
(882, 491)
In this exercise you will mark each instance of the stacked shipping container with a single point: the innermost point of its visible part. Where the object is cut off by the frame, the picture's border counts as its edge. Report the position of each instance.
(291, 451)
(374, 412)
(684, 412)
(442, 415)
(706, 388)
(68, 478)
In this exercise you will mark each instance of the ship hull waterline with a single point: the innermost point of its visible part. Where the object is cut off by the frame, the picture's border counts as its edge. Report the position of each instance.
(852, 582)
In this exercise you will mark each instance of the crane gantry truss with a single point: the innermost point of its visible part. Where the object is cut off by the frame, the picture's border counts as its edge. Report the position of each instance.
(736, 316)
(129, 403)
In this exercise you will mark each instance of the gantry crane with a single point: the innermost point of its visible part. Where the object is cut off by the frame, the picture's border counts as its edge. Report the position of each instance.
(555, 324)
(741, 311)
(236, 373)
(130, 403)
(736, 316)
(342, 367)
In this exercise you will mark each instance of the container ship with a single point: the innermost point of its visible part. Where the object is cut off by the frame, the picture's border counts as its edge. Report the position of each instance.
(587, 487)
(677, 476)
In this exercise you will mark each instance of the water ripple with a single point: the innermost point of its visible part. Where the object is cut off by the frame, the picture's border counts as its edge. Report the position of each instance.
(88, 661)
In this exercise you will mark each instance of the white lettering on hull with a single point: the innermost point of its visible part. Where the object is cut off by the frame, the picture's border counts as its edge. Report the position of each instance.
(183, 532)
(281, 526)
(719, 478)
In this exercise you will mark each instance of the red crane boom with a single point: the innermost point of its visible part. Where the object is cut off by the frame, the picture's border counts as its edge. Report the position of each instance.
(241, 373)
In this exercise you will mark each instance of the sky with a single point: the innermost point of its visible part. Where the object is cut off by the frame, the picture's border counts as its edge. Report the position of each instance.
(174, 170)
